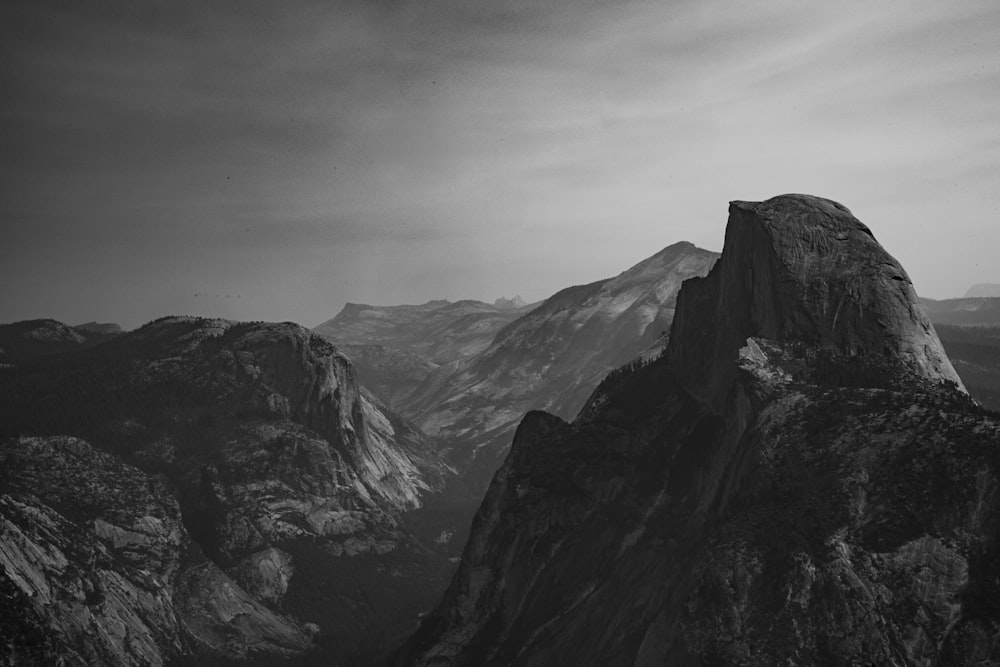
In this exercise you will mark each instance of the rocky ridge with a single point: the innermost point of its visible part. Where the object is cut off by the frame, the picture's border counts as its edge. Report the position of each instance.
(552, 358)
(438, 331)
(802, 268)
(290, 478)
(27, 340)
(799, 479)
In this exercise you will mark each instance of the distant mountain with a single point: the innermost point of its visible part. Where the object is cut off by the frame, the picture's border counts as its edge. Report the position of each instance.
(983, 290)
(553, 357)
(437, 331)
(27, 340)
(285, 490)
(507, 304)
(799, 480)
(967, 311)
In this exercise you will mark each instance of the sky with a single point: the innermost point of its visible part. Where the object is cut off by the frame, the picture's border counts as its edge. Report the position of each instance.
(274, 160)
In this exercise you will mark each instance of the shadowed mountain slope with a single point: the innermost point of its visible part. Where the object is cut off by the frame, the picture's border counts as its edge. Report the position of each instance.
(25, 341)
(799, 479)
(98, 569)
(290, 479)
(553, 357)
(975, 353)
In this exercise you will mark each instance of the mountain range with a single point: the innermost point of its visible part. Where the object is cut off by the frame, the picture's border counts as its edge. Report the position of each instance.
(202, 491)
(228, 489)
(31, 339)
(799, 479)
(551, 358)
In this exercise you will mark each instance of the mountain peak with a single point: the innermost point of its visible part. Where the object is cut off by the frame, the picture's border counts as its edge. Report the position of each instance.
(981, 290)
(505, 304)
(798, 268)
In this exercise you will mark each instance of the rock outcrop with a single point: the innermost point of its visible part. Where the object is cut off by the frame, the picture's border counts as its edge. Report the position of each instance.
(98, 569)
(800, 479)
(291, 479)
(798, 268)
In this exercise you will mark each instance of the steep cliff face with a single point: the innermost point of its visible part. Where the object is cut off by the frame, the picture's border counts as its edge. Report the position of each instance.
(282, 466)
(799, 268)
(553, 357)
(800, 479)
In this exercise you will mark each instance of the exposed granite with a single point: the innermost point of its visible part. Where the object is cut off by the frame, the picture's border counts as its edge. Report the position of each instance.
(96, 561)
(800, 480)
(273, 453)
(802, 268)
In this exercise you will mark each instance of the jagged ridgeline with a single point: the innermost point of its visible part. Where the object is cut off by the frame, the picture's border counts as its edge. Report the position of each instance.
(800, 479)
(229, 493)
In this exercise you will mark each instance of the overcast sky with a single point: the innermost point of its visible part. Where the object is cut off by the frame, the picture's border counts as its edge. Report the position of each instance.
(273, 160)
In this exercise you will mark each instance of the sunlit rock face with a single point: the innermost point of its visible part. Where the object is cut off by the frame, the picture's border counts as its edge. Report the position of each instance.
(800, 479)
(800, 268)
(287, 479)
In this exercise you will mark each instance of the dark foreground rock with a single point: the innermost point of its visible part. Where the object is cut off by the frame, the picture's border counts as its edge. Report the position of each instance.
(800, 479)
(98, 569)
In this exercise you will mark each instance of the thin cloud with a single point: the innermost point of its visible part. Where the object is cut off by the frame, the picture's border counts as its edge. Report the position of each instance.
(324, 152)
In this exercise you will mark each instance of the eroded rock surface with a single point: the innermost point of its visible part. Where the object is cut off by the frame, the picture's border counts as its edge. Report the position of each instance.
(803, 268)
(97, 568)
(800, 480)
(282, 468)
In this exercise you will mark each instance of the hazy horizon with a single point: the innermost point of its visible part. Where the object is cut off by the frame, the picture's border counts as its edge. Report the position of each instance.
(271, 162)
